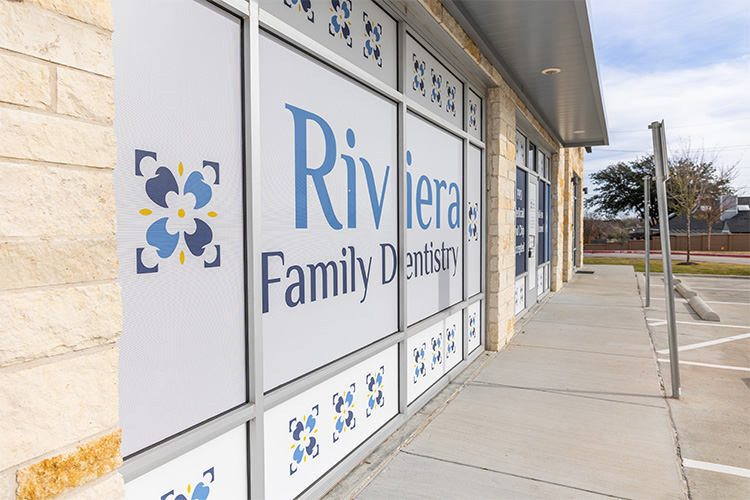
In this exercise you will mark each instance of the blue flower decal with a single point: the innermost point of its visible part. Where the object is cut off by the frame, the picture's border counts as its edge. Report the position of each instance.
(199, 492)
(375, 397)
(302, 6)
(372, 48)
(473, 225)
(473, 109)
(450, 98)
(450, 340)
(343, 405)
(418, 73)
(437, 82)
(418, 354)
(304, 442)
(473, 323)
(180, 213)
(437, 352)
(340, 25)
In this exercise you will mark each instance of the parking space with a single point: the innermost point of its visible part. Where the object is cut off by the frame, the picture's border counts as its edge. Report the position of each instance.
(712, 417)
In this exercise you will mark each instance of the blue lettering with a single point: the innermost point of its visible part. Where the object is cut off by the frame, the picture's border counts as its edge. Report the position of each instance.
(301, 170)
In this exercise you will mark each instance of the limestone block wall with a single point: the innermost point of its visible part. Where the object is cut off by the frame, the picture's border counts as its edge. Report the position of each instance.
(60, 310)
(501, 176)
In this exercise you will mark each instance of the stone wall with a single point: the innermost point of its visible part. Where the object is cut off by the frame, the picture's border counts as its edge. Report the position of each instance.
(501, 178)
(60, 311)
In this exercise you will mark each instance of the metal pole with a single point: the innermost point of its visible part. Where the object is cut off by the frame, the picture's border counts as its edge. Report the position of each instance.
(662, 172)
(647, 235)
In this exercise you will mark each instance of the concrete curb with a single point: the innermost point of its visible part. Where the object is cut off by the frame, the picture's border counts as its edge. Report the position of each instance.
(698, 304)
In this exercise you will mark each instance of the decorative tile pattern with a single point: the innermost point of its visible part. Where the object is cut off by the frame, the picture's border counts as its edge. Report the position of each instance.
(308, 434)
(340, 26)
(474, 312)
(375, 397)
(433, 86)
(372, 49)
(474, 125)
(453, 330)
(304, 442)
(303, 6)
(357, 30)
(343, 405)
(181, 211)
(201, 491)
(436, 351)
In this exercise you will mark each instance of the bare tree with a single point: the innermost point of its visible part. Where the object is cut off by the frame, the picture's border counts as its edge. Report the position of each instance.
(690, 181)
(716, 201)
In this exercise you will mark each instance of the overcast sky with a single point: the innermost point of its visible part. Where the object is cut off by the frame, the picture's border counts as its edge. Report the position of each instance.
(684, 61)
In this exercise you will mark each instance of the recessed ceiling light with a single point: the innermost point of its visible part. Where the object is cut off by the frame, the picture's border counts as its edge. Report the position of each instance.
(551, 71)
(578, 131)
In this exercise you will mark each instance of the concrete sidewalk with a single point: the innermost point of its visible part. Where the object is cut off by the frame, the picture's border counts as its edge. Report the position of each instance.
(572, 408)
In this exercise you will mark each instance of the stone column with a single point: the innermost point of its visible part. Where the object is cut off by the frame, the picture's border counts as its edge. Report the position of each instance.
(501, 179)
(60, 310)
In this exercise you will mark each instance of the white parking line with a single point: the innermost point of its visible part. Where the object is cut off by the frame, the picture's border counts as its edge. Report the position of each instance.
(661, 285)
(655, 322)
(708, 365)
(724, 469)
(678, 299)
(712, 325)
(708, 343)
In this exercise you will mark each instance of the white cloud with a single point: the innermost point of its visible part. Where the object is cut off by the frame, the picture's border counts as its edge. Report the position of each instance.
(708, 105)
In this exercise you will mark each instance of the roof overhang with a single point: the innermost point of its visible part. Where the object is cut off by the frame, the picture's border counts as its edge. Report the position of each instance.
(521, 38)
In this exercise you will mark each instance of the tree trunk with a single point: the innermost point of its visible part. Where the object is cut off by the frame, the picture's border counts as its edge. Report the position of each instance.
(708, 244)
(688, 239)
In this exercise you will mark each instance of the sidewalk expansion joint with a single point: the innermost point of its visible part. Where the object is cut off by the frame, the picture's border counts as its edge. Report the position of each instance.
(518, 344)
(519, 476)
(578, 394)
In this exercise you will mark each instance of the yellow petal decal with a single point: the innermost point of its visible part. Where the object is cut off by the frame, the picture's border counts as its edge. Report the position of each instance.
(212, 214)
(182, 257)
(180, 213)
(188, 488)
(145, 211)
(180, 168)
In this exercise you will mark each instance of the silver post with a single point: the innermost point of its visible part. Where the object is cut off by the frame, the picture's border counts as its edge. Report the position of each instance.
(647, 235)
(662, 173)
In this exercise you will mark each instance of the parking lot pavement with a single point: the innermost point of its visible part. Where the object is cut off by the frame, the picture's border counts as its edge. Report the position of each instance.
(712, 417)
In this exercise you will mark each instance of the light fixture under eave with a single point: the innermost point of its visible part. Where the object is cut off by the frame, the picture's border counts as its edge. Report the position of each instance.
(551, 71)
(578, 131)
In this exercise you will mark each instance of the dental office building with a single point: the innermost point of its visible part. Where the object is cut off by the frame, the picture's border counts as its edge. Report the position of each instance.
(242, 243)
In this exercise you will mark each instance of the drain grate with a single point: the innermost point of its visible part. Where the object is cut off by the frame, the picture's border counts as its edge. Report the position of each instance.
(585, 271)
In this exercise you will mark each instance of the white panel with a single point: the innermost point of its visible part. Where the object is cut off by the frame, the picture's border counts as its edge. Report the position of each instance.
(426, 352)
(312, 432)
(453, 335)
(474, 220)
(180, 231)
(430, 84)
(540, 281)
(475, 115)
(520, 300)
(434, 269)
(520, 149)
(531, 232)
(217, 469)
(329, 199)
(357, 30)
(474, 312)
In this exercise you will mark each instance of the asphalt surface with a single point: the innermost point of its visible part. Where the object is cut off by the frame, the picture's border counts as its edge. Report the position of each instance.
(712, 416)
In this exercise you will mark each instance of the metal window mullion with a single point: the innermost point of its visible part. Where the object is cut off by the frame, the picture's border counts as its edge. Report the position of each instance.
(256, 442)
(403, 357)
(464, 233)
(484, 238)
